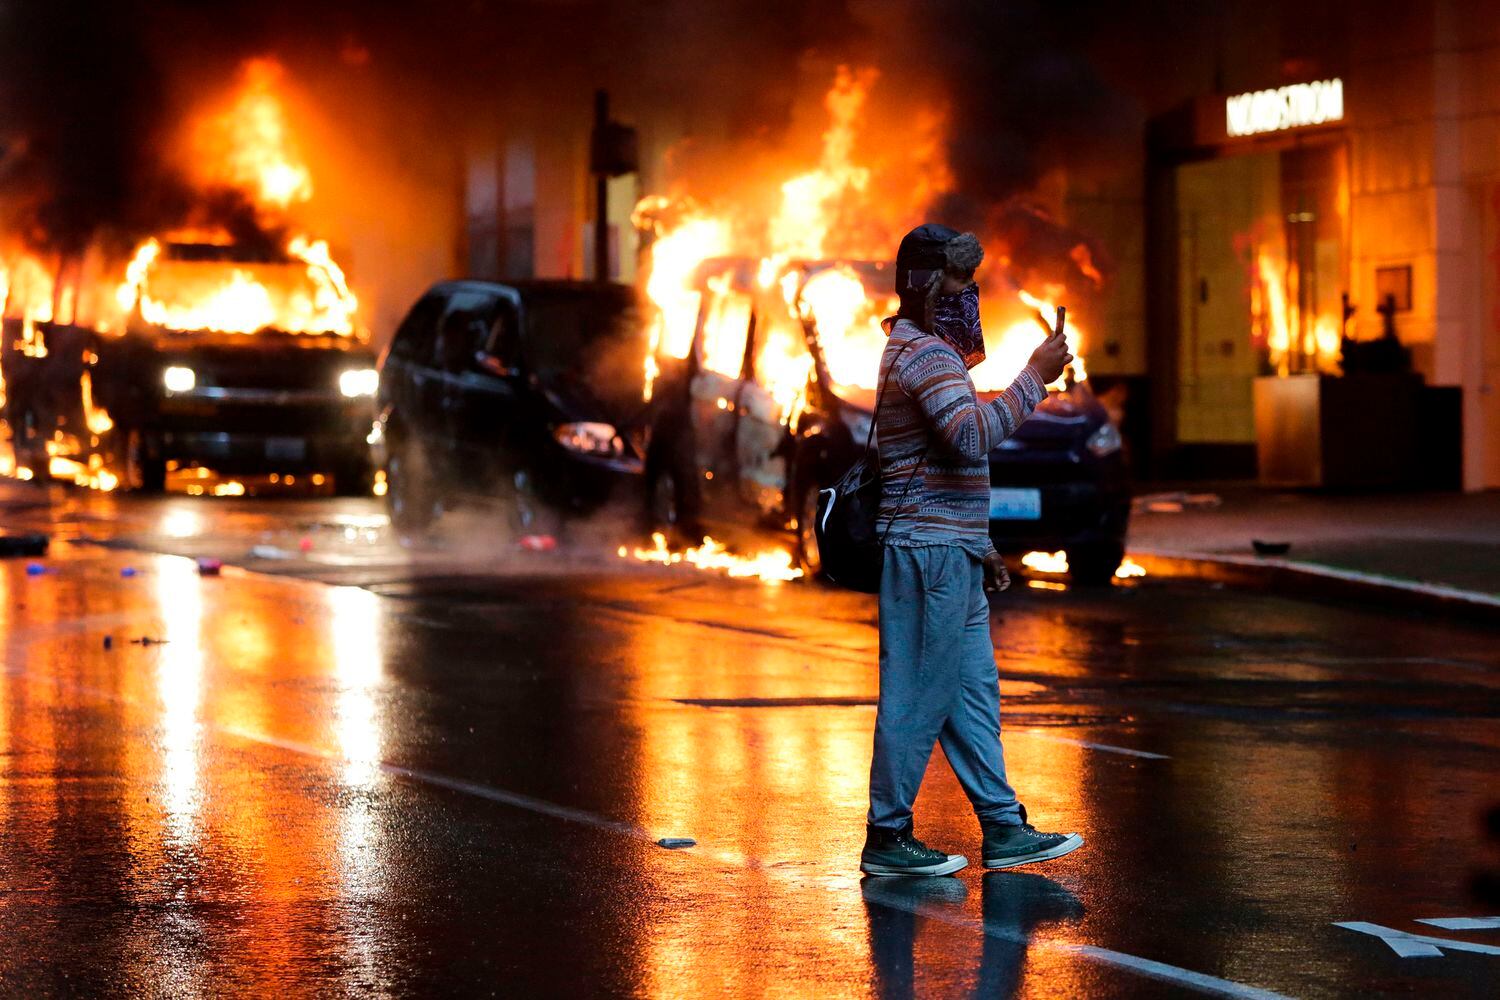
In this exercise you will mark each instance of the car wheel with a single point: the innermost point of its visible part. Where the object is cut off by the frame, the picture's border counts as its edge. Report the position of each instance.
(411, 496)
(1094, 565)
(530, 514)
(808, 556)
(143, 471)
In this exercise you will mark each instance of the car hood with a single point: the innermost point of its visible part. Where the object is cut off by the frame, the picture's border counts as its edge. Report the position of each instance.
(572, 399)
(1063, 418)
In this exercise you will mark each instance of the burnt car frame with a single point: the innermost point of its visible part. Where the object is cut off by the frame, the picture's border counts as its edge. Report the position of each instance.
(721, 459)
(502, 390)
(81, 403)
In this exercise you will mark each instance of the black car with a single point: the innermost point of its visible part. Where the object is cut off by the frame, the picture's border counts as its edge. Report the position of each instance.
(755, 419)
(1060, 482)
(518, 390)
(116, 409)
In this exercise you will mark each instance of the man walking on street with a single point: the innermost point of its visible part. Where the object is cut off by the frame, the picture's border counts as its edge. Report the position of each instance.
(938, 680)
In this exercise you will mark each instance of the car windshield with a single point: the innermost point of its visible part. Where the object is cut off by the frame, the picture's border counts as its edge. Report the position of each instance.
(846, 303)
(591, 340)
(195, 287)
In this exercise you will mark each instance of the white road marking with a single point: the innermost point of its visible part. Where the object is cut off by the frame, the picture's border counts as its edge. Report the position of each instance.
(1416, 945)
(1463, 923)
(1106, 747)
(1456, 594)
(1200, 981)
(1171, 973)
(474, 788)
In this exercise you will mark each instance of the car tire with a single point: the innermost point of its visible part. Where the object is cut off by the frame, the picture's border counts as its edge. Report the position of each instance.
(1094, 565)
(529, 511)
(671, 506)
(808, 557)
(411, 495)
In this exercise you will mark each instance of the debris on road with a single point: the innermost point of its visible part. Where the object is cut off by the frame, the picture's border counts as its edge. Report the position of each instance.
(269, 552)
(673, 843)
(147, 640)
(35, 569)
(208, 566)
(127, 571)
(109, 642)
(538, 543)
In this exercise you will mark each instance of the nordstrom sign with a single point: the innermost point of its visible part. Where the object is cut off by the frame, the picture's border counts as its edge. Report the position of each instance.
(1285, 107)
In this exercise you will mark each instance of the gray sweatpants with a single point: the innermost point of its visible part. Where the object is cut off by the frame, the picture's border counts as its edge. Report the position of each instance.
(937, 682)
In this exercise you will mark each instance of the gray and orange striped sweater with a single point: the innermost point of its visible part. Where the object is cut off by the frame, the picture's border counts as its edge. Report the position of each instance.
(937, 412)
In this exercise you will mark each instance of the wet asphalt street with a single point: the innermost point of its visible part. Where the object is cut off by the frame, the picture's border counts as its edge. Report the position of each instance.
(359, 770)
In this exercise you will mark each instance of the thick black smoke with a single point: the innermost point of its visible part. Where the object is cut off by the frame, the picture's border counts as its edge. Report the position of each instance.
(79, 95)
(90, 92)
(1024, 92)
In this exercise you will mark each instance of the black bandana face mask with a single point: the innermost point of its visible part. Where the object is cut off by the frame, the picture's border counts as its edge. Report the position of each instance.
(955, 319)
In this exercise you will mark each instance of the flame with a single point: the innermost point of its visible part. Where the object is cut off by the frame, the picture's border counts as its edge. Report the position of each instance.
(1129, 568)
(1278, 320)
(822, 210)
(249, 145)
(832, 208)
(675, 257)
(770, 566)
(1046, 562)
(240, 298)
(96, 418)
(810, 201)
(90, 474)
(1277, 329)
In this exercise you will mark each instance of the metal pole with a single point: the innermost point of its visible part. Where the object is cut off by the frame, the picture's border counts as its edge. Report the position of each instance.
(601, 194)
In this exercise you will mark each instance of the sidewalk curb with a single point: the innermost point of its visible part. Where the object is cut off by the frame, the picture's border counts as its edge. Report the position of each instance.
(1304, 579)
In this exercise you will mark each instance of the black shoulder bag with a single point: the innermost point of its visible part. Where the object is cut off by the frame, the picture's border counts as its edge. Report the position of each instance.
(850, 545)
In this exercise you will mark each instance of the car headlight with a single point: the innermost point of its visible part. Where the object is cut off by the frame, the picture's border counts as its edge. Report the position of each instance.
(1106, 440)
(589, 438)
(179, 379)
(359, 382)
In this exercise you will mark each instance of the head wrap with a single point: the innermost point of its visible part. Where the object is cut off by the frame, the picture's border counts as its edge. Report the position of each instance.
(925, 253)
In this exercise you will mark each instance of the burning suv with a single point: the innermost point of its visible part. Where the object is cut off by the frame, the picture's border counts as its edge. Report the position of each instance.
(232, 357)
(765, 392)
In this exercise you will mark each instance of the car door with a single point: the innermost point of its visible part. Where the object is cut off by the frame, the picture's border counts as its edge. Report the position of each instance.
(410, 382)
(458, 338)
(769, 401)
(714, 391)
(485, 389)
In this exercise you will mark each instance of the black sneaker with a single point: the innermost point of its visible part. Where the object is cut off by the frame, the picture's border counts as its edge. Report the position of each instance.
(897, 852)
(1021, 844)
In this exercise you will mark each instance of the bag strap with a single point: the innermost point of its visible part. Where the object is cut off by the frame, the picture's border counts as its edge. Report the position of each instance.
(870, 437)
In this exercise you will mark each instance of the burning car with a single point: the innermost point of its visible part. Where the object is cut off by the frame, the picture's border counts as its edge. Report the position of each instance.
(512, 390)
(232, 356)
(768, 394)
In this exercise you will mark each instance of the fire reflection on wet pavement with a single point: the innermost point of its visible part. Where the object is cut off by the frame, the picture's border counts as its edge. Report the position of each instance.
(454, 781)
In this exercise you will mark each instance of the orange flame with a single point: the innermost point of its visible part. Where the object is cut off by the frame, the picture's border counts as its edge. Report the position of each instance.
(772, 567)
(249, 146)
(240, 297)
